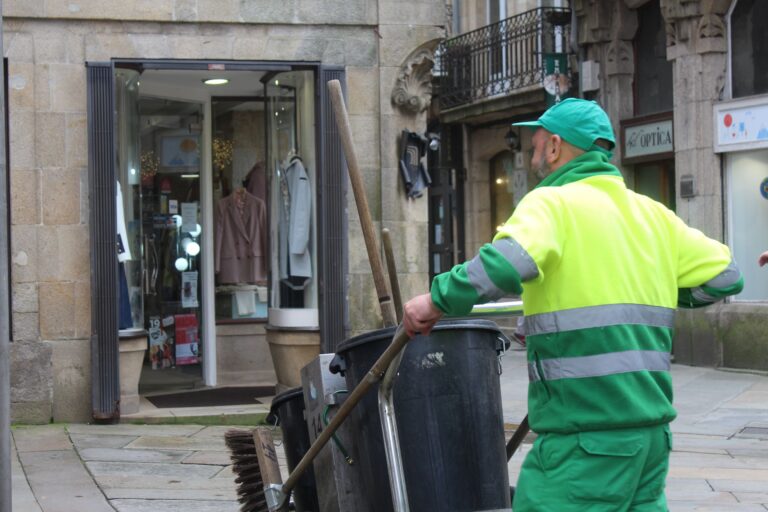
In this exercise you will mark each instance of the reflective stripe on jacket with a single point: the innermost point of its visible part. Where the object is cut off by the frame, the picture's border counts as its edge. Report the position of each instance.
(601, 270)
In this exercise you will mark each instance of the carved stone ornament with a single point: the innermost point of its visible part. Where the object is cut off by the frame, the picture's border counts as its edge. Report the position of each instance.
(619, 58)
(711, 26)
(413, 88)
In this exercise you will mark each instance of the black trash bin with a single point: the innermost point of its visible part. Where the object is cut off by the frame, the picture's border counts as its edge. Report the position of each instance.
(447, 401)
(288, 410)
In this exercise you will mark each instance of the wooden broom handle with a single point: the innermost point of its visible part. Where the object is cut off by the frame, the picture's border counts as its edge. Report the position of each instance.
(345, 133)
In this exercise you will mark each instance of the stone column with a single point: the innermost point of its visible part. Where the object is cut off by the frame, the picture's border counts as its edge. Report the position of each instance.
(606, 30)
(696, 43)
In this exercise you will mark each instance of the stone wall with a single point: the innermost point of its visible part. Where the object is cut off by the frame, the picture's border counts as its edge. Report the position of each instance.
(47, 44)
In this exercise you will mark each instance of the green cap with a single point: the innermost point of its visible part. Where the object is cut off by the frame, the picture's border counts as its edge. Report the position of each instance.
(579, 122)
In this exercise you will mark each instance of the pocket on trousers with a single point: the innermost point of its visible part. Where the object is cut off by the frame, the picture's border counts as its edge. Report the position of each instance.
(605, 467)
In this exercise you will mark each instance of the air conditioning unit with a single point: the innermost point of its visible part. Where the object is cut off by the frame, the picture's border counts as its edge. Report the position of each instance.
(590, 75)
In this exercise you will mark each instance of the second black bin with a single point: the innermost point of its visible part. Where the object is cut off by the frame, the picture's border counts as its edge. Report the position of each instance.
(447, 400)
(288, 407)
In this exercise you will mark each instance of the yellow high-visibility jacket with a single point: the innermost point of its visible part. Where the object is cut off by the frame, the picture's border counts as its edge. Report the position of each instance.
(601, 270)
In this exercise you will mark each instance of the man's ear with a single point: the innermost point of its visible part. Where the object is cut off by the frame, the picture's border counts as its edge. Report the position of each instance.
(553, 148)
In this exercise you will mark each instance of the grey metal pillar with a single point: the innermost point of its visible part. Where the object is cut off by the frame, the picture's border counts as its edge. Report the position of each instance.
(5, 349)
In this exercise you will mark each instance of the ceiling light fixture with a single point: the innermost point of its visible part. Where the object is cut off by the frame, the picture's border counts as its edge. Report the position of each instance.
(215, 81)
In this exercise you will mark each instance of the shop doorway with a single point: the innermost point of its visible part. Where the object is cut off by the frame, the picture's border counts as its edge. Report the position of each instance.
(657, 181)
(216, 185)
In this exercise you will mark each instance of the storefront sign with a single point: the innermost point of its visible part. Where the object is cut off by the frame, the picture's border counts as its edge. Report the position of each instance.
(741, 125)
(652, 138)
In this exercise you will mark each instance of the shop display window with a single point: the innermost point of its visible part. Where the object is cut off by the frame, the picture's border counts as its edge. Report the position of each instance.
(263, 155)
(747, 182)
(749, 48)
(241, 233)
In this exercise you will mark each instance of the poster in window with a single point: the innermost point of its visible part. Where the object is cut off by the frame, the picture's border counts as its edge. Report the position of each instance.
(189, 290)
(180, 152)
(187, 339)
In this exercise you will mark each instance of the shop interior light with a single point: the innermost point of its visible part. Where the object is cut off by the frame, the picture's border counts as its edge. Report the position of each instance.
(197, 231)
(193, 249)
(190, 176)
(181, 264)
(215, 81)
(190, 247)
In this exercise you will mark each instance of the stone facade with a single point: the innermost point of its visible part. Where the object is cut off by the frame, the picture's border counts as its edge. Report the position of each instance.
(47, 45)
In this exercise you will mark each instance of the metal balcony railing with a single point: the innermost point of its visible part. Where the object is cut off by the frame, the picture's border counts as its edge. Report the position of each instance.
(498, 59)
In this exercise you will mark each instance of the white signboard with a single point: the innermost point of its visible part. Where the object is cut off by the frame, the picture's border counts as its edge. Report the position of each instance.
(648, 139)
(741, 125)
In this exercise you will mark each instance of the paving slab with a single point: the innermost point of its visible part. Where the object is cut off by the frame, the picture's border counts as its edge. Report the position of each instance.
(737, 485)
(716, 473)
(82, 441)
(102, 469)
(171, 494)
(22, 498)
(174, 506)
(706, 460)
(708, 497)
(179, 443)
(127, 429)
(127, 455)
(41, 438)
(61, 483)
(695, 506)
(752, 497)
(168, 483)
(215, 458)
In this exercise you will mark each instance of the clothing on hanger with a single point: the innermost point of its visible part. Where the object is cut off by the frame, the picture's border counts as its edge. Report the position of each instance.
(240, 241)
(294, 227)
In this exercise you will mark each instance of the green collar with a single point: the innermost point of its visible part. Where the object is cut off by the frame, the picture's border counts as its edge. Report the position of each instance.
(591, 163)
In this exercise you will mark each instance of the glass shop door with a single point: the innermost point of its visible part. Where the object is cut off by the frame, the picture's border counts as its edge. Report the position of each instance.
(170, 138)
(158, 173)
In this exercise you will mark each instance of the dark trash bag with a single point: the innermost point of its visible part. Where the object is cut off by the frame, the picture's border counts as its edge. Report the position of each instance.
(287, 410)
(447, 400)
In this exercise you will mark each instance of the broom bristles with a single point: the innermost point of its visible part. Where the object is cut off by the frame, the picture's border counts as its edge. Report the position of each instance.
(245, 465)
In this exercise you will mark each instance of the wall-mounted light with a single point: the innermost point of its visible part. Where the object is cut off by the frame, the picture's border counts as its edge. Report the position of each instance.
(434, 140)
(215, 81)
(512, 140)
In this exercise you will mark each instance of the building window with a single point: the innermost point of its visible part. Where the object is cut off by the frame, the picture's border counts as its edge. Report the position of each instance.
(749, 48)
(746, 173)
(653, 73)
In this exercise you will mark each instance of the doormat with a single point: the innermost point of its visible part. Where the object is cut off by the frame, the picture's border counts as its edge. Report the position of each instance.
(212, 397)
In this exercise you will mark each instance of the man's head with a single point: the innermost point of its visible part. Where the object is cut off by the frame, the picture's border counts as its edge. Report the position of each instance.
(566, 130)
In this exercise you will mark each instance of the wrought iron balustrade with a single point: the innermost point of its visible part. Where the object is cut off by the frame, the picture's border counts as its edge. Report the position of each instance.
(498, 59)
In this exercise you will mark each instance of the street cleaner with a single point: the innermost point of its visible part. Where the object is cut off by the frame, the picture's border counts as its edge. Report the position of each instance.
(601, 270)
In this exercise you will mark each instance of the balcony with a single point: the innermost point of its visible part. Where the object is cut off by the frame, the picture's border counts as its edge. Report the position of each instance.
(500, 59)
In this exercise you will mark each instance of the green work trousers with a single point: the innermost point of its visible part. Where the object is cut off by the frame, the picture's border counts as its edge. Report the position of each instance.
(597, 471)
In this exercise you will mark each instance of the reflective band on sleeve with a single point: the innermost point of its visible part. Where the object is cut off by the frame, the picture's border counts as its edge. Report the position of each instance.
(599, 316)
(700, 295)
(600, 365)
(726, 278)
(480, 281)
(518, 258)
(533, 373)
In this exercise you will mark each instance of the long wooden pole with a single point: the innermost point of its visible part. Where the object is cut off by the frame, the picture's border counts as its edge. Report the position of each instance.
(355, 177)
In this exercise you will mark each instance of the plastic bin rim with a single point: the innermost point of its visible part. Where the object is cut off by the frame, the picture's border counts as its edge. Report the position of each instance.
(285, 396)
(443, 325)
